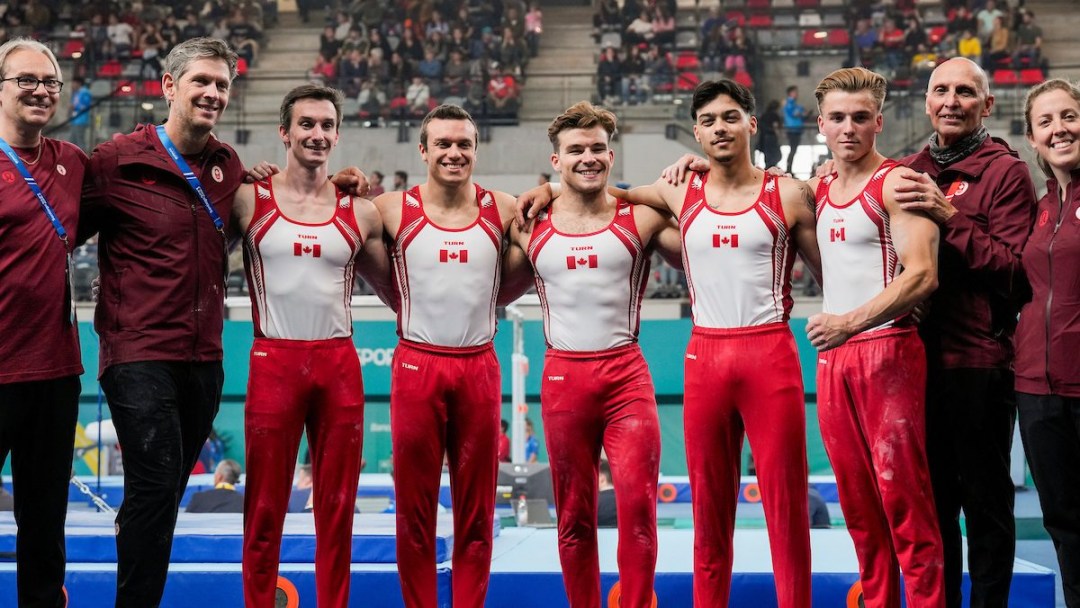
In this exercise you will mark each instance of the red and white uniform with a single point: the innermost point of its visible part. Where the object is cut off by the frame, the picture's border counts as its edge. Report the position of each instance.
(597, 386)
(445, 394)
(466, 262)
(871, 408)
(304, 371)
(738, 267)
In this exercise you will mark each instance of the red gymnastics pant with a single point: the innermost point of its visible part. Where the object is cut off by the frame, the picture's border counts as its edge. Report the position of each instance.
(588, 401)
(293, 384)
(735, 379)
(872, 410)
(444, 400)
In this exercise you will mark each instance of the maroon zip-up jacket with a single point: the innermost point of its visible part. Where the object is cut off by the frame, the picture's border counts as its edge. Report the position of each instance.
(162, 261)
(1048, 338)
(972, 314)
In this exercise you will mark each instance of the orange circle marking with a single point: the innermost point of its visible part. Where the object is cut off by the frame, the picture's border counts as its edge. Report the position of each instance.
(614, 597)
(752, 492)
(667, 492)
(292, 597)
(854, 595)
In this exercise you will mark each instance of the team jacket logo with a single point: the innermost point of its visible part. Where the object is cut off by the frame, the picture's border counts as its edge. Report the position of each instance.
(217, 174)
(61, 169)
(725, 240)
(302, 249)
(262, 192)
(573, 262)
(1045, 217)
(957, 188)
(447, 256)
(9, 177)
(837, 234)
(696, 182)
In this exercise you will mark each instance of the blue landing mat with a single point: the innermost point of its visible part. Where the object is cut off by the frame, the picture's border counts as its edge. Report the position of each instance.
(218, 538)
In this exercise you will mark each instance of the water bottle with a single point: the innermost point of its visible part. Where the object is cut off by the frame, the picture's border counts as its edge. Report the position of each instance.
(522, 511)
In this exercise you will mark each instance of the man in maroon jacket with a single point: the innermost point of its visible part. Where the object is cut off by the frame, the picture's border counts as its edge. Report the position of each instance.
(39, 339)
(162, 255)
(981, 195)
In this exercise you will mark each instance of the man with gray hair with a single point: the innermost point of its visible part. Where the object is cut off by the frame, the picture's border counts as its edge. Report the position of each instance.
(981, 195)
(39, 353)
(161, 199)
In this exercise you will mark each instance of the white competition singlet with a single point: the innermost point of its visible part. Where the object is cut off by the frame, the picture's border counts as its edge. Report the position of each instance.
(858, 259)
(590, 285)
(447, 278)
(738, 265)
(300, 275)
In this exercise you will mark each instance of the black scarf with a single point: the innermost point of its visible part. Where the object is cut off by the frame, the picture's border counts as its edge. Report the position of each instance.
(960, 150)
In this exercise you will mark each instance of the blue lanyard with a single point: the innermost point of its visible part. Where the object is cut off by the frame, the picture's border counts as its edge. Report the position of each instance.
(32, 183)
(189, 175)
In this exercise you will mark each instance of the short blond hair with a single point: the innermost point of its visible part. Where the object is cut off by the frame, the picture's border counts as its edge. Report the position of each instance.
(853, 80)
(581, 115)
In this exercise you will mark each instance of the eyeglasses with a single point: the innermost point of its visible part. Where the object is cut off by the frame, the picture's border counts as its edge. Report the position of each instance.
(29, 83)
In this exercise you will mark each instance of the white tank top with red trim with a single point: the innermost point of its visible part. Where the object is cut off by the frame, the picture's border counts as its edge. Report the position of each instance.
(300, 275)
(447, 278)
(590, 285)
(858, 259)
(738, 265)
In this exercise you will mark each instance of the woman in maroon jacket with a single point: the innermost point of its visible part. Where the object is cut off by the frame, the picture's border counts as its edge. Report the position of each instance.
(1048, 337)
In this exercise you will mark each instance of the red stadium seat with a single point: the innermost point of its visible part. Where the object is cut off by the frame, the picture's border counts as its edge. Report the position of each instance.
(687, 60)
(126, 89)
(737, 17)
(743, 77)
(1030, 77)
(760, 20)
(110, 69)
(814, 38)
(937, 33)
(73, 49)
(687, 82)
(838, 37)
(807, 3)
(1006, 78)
(151, 88)
(759, 4)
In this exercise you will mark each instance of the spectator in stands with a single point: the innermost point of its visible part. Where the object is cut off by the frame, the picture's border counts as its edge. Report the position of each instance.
(220, 30)
(456, 74)
(631, 10)
(999, 49)
(370, 13)
(459, 41)
(713, 21)
(866, 40)
(377, 41)
(659, 72)
(891, 40)
(714, 49)
(534, 27)
(769, 127)
(352, 71)
(401, 73)
(344, 23)
(323, 72)
(513, 19)
(121, 37)
(923, 63)
(504, 441)
(985, 19)
(1028, 41)
(417, 97)
(192, 28)
(372, 98)
(607, 19)
(634, 87)
(170, 33)
(503, 93)
(301, 493)
(81, 101)
(401, 181)
(436, 43)
(223, 498)
(532, 444)
(914, 35)
(609, 77)
(794, 115)
(354, 41)
(329, 45)
(378, 69)
(961, 20)
(376, 188)
(512, 55)
(969, 46)
(436, 25)
(739, 53)
(244, 37)
(410, 47)
(663, 26)
(431, 70)
(640, 30)
(485, 48)
(151, 44)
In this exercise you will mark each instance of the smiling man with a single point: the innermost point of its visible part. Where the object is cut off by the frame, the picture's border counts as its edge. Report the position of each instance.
(162, 255)
(445, 390)
(590, 256)
(980, 193)
(39, 351)
(303, 240)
